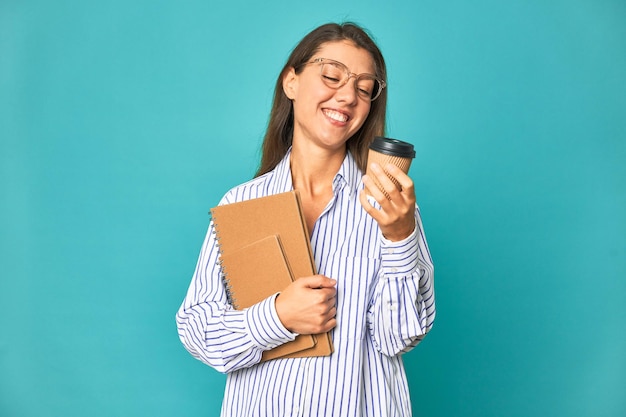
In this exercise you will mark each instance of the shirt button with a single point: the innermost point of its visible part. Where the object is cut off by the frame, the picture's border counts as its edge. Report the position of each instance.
(394, 269)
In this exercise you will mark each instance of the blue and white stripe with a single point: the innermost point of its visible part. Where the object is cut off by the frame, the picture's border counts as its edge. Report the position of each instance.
(385, 306)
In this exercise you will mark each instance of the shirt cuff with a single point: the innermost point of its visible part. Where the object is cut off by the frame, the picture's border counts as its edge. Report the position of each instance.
(264, 326)
(400, 258)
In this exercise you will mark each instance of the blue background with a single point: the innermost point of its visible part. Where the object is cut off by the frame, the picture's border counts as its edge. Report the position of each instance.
(123, 122)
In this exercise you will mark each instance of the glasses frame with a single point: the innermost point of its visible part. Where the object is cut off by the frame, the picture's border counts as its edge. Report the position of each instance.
(323, 61)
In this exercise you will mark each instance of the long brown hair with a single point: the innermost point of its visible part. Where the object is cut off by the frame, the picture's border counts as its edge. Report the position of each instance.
(279, 134)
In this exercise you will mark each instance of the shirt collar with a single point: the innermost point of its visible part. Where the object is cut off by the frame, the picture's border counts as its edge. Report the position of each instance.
(281, 181)
(349, 175)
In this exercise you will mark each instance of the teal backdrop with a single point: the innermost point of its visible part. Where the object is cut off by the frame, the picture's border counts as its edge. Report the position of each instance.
(123, 122)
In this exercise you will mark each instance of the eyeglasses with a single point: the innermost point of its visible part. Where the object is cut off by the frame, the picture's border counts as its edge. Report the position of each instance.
(335, 75)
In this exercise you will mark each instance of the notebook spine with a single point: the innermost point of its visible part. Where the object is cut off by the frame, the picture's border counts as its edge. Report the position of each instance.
(223, 269)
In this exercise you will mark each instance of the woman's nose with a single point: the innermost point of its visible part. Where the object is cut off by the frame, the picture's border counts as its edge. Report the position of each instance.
(347, 92)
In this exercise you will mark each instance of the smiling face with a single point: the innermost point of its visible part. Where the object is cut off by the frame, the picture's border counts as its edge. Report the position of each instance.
(323, 116)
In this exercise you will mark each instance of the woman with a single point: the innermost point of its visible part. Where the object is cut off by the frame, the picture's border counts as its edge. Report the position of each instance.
(374, 291)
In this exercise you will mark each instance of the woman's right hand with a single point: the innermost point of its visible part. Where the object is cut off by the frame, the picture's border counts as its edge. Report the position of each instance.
(307, 305)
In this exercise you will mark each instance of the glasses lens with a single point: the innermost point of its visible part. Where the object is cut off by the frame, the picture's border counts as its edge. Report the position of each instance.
(367, 87)
(333, 75)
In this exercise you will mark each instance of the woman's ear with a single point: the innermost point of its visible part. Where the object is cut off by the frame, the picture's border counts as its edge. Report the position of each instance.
(290, 83)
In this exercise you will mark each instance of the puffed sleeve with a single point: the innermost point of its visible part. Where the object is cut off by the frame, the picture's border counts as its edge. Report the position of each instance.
(402, 309)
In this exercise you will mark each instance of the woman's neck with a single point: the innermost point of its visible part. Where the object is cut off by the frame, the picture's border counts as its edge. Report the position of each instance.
(313, 170)
(312, 174)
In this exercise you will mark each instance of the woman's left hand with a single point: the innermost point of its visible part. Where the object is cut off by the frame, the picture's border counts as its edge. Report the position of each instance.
(396, 217)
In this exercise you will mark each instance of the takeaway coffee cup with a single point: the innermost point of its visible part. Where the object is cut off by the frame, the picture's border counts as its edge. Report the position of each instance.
(385, 151)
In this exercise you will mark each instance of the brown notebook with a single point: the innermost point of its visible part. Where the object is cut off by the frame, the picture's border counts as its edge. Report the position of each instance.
(246, 222)
(255, 272)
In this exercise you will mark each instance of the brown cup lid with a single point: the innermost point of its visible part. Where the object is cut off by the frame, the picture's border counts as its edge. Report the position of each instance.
(393, 147)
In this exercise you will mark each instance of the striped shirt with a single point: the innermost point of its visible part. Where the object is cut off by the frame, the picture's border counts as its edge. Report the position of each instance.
(385, 306)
